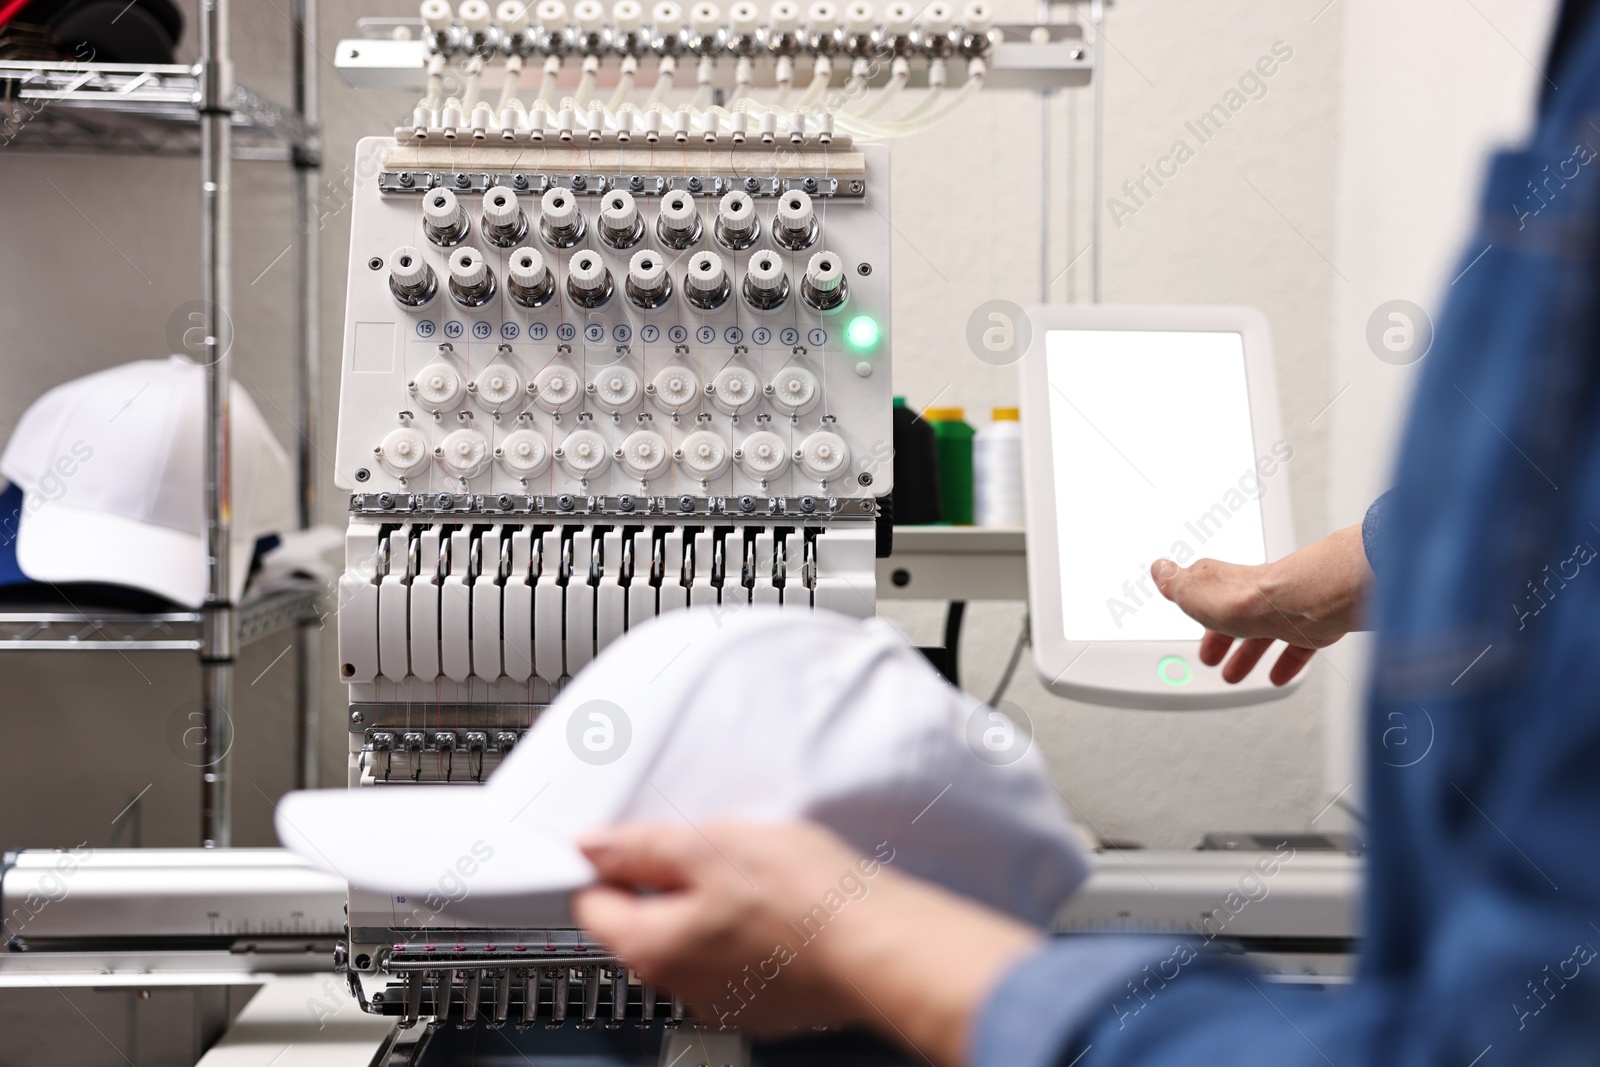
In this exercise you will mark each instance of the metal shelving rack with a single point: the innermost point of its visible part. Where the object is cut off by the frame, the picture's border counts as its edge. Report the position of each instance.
(174, 109)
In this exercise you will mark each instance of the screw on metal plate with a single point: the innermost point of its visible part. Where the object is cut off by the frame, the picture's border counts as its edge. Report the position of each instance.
(407, 179)
(565, 502)
(808, 504)
(752, 183)
(463, 180)
(357, 717)
(625, 502)
(686, 503)
(386, 500)
(747, 503)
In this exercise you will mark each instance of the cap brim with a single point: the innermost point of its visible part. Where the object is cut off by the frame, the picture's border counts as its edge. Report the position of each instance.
(61, 543)
(454, 848)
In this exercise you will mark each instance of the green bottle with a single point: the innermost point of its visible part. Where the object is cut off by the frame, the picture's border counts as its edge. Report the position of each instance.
(953, 443)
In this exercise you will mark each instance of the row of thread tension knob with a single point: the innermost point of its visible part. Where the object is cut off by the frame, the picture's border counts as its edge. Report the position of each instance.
(531, 284)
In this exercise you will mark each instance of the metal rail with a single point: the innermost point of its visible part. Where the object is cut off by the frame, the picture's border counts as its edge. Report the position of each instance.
(85, 630)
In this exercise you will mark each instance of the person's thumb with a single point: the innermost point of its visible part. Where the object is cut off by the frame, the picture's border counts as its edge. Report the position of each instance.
(641, 855)
(1169, 578)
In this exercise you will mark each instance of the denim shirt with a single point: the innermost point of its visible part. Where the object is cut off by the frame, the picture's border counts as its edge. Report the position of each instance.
(1482, 732)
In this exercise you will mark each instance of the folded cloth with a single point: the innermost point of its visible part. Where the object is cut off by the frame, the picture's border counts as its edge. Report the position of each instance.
(763, 714)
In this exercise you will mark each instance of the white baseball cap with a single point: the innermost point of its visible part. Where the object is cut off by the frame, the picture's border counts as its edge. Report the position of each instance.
(763, 714)
(112, 470)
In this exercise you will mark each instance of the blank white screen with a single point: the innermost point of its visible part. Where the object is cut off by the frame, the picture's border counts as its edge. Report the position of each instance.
(1154, 456)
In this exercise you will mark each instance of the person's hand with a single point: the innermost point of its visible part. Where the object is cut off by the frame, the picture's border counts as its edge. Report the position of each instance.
(769, 927)
(1308, 599)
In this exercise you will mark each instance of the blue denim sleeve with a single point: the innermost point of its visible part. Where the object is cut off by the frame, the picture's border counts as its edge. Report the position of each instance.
(1374, 529)
(1062, 991)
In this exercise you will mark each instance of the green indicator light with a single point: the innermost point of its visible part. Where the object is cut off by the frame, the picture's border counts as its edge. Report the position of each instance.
(863, 332)
(1174, 670)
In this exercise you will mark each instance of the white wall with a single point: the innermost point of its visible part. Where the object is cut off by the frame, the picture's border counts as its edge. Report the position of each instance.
(1429, 87)
(1248, 220)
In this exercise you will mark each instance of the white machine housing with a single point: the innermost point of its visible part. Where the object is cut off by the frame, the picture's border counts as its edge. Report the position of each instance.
(1150, 674)
(531, 476)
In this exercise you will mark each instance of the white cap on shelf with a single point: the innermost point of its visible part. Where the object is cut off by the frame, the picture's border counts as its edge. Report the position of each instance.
(559, 207)
(526, 267)
(860, 17)
(407, 267)
(467, 267)
(500, 207)
(822, 17)
(938, 17)
(437, 15)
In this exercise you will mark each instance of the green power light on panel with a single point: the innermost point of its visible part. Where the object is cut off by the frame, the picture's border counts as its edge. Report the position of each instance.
(863, 333)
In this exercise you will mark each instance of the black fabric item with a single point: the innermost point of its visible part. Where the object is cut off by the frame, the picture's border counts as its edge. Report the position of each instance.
(111, 31)
(916, 470)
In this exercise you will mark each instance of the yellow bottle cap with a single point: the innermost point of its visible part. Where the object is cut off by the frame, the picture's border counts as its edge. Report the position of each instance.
(945, 414)
(1006, 415)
